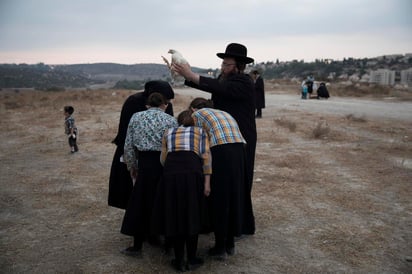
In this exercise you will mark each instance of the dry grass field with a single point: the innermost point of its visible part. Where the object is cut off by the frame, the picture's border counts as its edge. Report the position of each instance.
(332, 193)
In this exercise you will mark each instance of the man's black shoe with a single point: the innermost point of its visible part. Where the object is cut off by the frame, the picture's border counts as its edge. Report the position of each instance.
(195, 263)
(217, 253)
(230, 251)
(178, 265)
(132, 251)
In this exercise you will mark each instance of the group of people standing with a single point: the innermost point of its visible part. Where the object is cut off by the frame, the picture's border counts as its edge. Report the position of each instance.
(182, 177)
(308, 86)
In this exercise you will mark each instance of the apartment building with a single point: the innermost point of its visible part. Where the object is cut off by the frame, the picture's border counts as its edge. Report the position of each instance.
(383, 77)
(406, 77)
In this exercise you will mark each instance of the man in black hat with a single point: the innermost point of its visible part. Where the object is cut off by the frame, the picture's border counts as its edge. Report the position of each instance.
(120, 182)
(233, 92)
(259, 92)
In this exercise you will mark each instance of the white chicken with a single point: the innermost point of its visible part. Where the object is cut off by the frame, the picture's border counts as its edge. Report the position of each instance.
(177, 58)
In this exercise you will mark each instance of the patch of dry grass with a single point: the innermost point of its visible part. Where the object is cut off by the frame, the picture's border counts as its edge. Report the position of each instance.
(343, 89)
(321, 130)
(343, 201)
(286, 124)
(345, 245)
(354, 118)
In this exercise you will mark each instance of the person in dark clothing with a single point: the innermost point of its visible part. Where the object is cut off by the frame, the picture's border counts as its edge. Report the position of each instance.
(120, 182)
(227, 191)
(181, 196)
(142, 149)
(259, 92)
(309, 82)
(322, 91)
(233, 92)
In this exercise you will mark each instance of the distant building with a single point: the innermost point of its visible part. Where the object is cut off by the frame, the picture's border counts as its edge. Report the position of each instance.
(365, 78)
(406, 58)
(384, 77)
(371, 63)
(354, 78)
(406, 77)
(390, 57)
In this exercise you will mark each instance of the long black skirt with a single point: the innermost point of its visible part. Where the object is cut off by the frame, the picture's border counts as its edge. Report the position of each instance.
(120, 182)
(248, 215)
(180, 207)
(228, 189)
(137, 218)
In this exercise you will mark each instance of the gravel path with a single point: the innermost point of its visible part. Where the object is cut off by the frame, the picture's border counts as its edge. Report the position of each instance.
(367, 108)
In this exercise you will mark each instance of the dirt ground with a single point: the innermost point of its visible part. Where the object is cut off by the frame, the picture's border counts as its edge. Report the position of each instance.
(332, 190)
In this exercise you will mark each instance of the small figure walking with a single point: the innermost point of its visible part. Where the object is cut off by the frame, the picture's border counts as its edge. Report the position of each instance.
(70, 128)
(304, 91)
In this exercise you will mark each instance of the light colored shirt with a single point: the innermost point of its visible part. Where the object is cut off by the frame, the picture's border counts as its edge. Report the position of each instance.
(145, 132)
(188, 139)
(220, 126)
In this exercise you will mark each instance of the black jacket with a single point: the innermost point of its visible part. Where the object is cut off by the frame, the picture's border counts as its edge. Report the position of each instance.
(260, 92)
(120, 182)
(236, 96)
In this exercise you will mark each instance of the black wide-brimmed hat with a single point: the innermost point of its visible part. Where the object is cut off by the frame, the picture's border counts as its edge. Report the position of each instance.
(237, 51)
(162, 87)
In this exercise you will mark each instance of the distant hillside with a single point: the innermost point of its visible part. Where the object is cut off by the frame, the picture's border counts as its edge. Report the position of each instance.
(116, 72)
(42, 76)
(109, 75)
(327, 69)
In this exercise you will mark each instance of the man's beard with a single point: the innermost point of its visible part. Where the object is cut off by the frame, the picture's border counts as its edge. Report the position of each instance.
(223, 77)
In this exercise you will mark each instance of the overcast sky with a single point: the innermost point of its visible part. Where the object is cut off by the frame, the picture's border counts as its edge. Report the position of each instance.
(134, 31)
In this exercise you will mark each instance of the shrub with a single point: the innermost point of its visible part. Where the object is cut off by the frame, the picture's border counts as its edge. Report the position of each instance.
(321, 131)
(286, 123)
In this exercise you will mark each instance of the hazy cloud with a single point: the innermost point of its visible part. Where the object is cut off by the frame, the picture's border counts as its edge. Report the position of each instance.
(111, 29)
